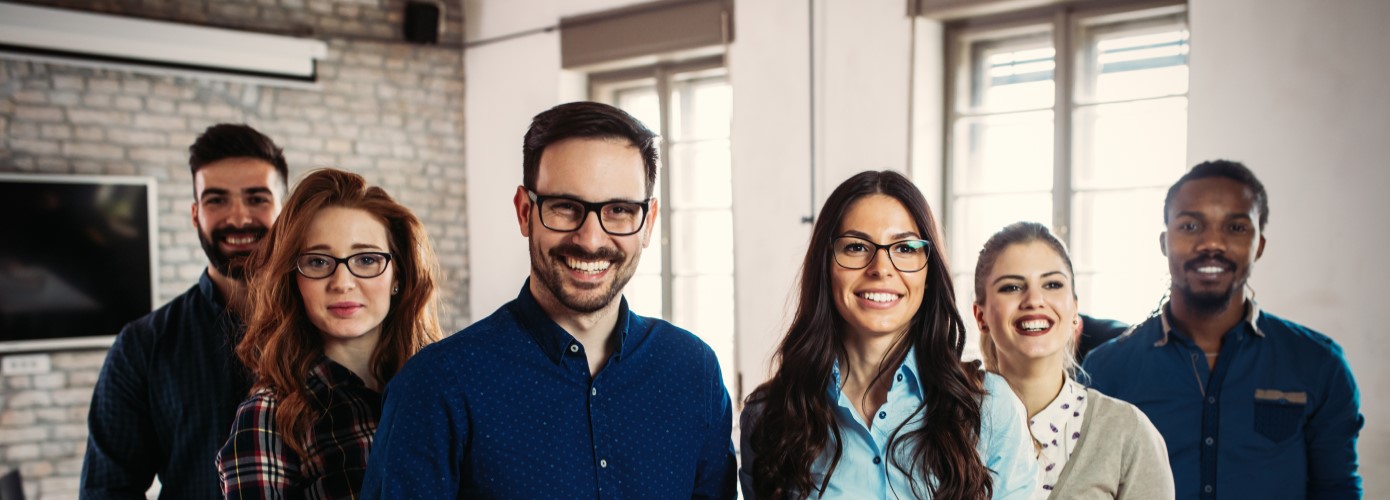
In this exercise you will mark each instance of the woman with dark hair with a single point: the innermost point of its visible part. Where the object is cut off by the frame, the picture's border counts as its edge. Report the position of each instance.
(870, 398)
(342, 294)
(1087, 445)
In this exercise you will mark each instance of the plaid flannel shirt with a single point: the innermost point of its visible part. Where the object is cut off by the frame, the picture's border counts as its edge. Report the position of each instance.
(256, 462)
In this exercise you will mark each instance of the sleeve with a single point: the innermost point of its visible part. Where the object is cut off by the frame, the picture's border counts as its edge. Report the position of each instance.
(420, 442)
(255, 462)
(1008, 451)
(746, 453)
(715, 476)
(1331, 435)
(1146, 473)
(122, 456)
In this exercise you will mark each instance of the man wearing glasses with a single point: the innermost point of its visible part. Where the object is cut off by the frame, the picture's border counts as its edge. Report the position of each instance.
(564, 392)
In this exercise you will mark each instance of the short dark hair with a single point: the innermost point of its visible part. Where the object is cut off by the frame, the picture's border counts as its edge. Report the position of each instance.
(1227, 169)
(236, 140)
(589, 120)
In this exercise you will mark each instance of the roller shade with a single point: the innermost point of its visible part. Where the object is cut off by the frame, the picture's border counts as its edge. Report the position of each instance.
(650, 29)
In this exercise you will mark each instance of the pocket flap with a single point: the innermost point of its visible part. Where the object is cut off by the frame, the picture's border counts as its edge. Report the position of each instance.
(1278, 396)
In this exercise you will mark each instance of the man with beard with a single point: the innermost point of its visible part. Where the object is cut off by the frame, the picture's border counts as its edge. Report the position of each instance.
(171, 384)
(564, 392)
(1251, 405)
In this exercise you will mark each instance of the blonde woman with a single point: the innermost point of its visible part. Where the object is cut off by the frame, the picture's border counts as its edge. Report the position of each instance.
(1087, 445)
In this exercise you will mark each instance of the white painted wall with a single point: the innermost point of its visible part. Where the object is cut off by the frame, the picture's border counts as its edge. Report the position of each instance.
(1296, 89)
(508, 82)
(862, 68)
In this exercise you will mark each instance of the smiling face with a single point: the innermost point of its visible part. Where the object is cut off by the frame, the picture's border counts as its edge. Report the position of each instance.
(1029, 306)
(1212, 242)
(877, 300)
(583, 270)
(344, 307)
(237, 201)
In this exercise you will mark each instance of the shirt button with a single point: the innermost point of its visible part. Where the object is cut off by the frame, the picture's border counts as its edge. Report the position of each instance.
(1209, 441)
(574, 348)
(603, 464)
(882, 414)
(1207, 488)
(593, 391)
(900, 377)
(877, 460)
(1211, 400)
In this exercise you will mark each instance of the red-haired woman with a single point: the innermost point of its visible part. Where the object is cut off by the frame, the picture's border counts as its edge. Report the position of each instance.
(342, 294)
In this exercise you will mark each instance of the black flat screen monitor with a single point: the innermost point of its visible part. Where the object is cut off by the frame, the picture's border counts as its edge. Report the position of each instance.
(77, 258)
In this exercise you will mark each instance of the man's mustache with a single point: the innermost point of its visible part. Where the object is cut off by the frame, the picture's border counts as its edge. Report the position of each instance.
(255, 230)
(1207, 259)
(579, 253)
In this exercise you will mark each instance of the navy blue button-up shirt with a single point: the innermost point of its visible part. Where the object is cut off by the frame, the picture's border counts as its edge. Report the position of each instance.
(165, 400)
(506, 409)
(1276, 417)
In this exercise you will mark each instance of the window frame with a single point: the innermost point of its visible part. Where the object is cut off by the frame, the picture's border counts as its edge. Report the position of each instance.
(1066, 28)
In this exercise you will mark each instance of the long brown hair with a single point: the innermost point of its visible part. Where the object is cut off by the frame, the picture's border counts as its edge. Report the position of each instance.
(281, 345)
(797, 423)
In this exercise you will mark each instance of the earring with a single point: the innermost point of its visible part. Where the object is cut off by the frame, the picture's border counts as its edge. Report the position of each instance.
(395, 289)
(1075, 320)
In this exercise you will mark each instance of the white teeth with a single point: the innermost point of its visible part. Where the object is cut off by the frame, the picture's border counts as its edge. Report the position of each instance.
(1035, 325)
(587, 266)
(1209, 269)
(880, 296)
(244, 240)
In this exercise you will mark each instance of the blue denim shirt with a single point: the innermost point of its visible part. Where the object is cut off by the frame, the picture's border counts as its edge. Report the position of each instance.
(1277, 417)
(506, 409)
(1005, 446)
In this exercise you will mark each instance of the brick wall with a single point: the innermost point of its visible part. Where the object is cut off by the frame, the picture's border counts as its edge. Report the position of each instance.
(388, 110)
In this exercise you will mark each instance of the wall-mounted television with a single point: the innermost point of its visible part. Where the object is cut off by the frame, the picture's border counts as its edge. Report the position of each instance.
(78, 258)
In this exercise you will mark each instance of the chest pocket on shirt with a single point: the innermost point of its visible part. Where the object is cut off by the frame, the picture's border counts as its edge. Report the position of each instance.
(1278, 414)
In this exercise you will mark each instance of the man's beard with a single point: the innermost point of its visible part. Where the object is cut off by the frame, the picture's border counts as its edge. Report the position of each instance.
(230, 265)
(1211, 303)
(554, 277)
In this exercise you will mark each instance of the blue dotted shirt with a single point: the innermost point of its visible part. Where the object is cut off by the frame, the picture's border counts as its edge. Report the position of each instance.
(506, 409)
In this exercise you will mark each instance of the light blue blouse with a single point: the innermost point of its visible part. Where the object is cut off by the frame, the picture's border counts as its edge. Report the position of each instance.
(864, 470)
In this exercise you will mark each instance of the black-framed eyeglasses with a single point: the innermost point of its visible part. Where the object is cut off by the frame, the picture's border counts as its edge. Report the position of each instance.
(362, 265)
(908, 256)
(566, 214)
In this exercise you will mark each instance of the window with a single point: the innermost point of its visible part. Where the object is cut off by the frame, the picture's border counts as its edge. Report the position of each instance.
(687, 273)
(1086, 143)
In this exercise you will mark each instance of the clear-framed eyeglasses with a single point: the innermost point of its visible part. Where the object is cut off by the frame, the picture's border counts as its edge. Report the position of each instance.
(908, 256)
(362, 265)
(566, 214)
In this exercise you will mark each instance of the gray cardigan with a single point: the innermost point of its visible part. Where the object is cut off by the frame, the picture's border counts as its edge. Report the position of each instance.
(1120, 455)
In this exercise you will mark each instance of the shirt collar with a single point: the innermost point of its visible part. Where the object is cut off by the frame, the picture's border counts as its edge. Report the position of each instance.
(329, 374)
(1066, 405)
(208, 290)
(907, 370)
(553, 339)
(1252, 316)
